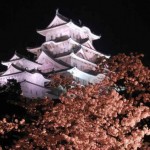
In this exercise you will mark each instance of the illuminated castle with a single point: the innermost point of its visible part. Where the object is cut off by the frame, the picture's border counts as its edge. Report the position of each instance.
(67, 49)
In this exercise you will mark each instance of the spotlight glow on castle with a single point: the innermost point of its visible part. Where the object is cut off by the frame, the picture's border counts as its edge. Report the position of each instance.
(67, 49)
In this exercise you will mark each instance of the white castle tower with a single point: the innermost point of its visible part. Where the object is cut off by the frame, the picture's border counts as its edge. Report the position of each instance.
(67, 49)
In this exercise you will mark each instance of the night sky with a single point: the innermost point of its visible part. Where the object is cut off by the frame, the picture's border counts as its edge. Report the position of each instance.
(123, 24)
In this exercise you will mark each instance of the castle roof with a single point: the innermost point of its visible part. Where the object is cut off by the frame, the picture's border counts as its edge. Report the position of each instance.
(46, 59)
(57, 47)
(70, 26)
(21, 61)
(32, 76)
(58, 42)
(12, 69)
(15, 57)
(60, 21)
(17, 69)
(86, 76)
(34, 50)
(85, 49)
(88, 44)
(72, 55)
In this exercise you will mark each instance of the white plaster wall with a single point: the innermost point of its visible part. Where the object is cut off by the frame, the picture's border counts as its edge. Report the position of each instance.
(37, 79)
(60, 47)
(33, 91)
(57, 32)
(69, 30)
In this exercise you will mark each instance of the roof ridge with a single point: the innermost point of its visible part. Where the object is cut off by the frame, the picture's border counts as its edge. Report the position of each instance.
(60, 62)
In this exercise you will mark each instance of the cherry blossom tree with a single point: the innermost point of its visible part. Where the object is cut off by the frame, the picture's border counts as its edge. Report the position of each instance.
(111, 115)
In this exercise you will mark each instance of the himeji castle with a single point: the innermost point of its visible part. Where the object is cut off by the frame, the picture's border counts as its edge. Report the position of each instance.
(67, 49)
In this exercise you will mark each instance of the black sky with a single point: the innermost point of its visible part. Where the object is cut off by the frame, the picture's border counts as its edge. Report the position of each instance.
(123, 24)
